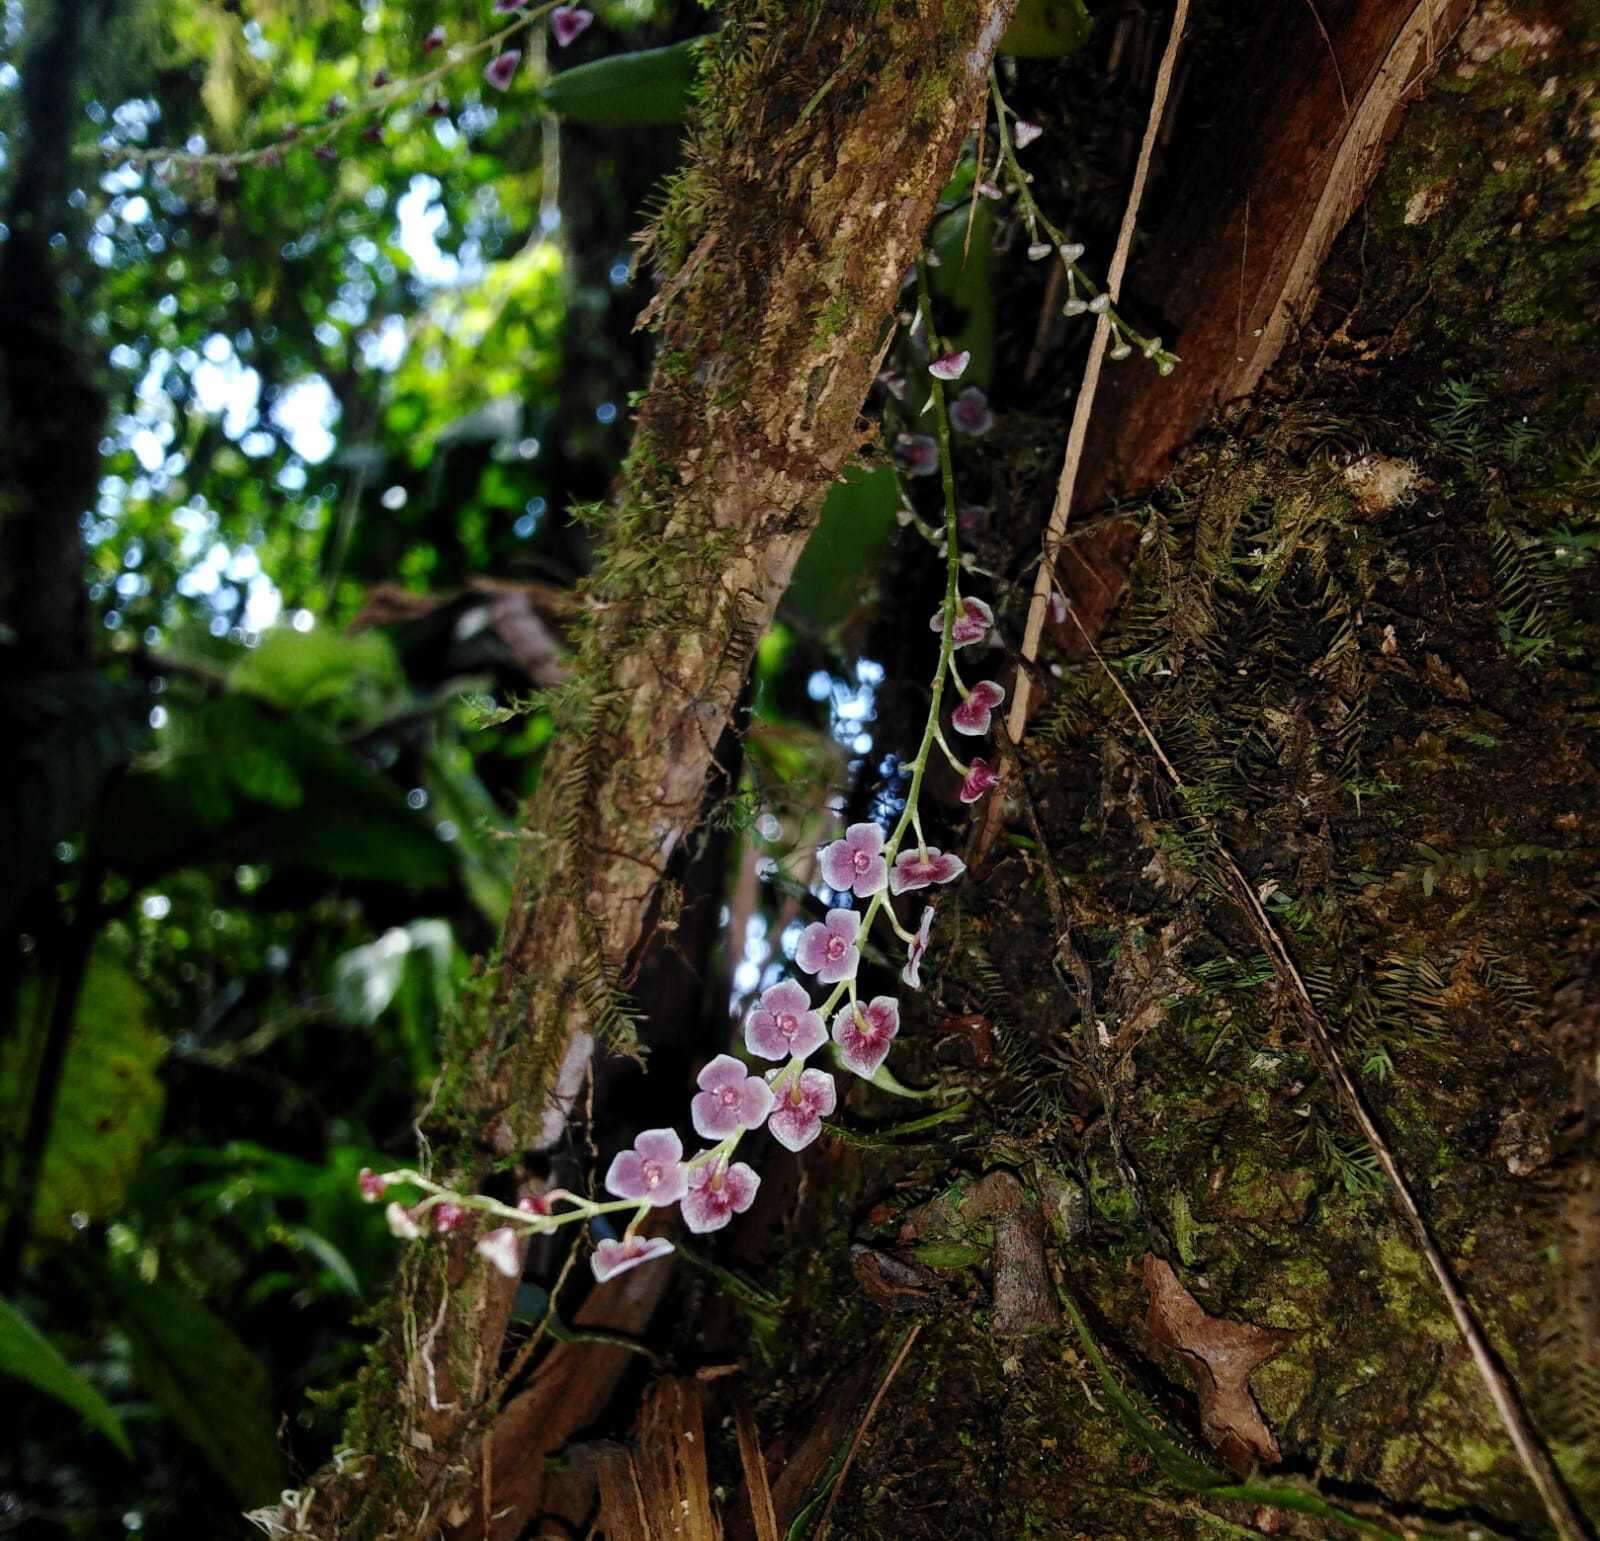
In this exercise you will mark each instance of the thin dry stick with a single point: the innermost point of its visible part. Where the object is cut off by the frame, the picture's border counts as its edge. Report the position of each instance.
(855, 1444)
(1055, 531)
(755, 1473)
(1558, 1504)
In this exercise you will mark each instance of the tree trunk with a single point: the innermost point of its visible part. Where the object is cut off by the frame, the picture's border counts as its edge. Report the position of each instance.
(813, 169)
(1363, 624)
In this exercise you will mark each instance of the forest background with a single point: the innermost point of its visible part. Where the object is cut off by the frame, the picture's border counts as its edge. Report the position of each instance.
(320, 423)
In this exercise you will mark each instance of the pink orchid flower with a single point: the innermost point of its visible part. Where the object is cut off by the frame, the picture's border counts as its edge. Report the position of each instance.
(864, 1033)
(828, 947)
(373, 1184)
(567, 22)
(500, 69)
(500, 1248)
(784, 1024)
(435, 39)
(614, 1257)
(1025, 133)
(856, 863)
(972, 716)
(950, 366)
(729, 1098)
(717, 1192)
(973, 620)
(804, 1100)
(970, 414)
(447, 1217)
(916, 454)
(652, 1172)
(981, 778)
(917, 869)
(402, 1222)
(917, 947)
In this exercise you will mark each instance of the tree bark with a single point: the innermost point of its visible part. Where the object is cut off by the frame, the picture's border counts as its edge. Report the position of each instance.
(813, 169)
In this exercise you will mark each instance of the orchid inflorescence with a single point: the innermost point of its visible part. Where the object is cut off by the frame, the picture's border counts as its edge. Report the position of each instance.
(786, 1027)
(1084, 295)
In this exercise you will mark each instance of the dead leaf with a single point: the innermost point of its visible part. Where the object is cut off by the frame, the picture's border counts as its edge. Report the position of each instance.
(1223, 1355)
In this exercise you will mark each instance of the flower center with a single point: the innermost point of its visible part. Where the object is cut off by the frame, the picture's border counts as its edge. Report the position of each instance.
(836, 947)
(652, 1174)
(796, 1096)
(729, 1096)
(788, 1024)
(860, 860)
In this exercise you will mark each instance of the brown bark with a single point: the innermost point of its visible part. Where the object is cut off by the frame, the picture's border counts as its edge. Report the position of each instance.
(812, 175)
(1233, 265)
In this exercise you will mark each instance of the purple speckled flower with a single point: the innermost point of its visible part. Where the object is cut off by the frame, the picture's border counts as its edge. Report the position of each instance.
(447, 1217)
(970, 414)
(652, 1172)
(717, 1192)
(614, 1257)
(973, 620)
(950, 366)
(500, 1248)
(980, 778)
(828, 947)
(373, 1184)
(916, 454)
(500, 69)
(864, 1033)
(856, 863)
(917, 869)
(918, 946)
(729, 1098)
(804, 1100)
(567, 22)
(972, 716)
(784, 1024)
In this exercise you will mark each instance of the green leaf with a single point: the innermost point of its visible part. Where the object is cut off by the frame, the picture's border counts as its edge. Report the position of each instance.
(26, 1354)
(1047, 29)
(205, 1379)
(339, 678)
(108, 1109)
(652, 85)
(857, 518)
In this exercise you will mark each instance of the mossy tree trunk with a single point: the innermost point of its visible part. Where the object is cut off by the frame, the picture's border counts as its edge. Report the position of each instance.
(825, 133)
